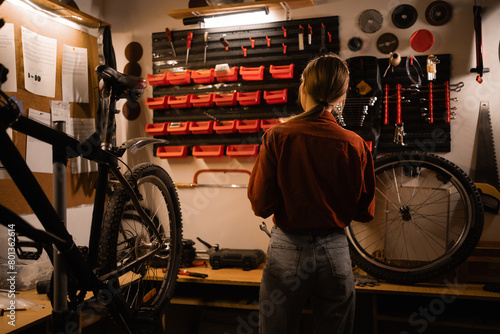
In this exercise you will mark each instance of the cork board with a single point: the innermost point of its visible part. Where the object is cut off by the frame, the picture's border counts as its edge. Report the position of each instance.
(80, 187)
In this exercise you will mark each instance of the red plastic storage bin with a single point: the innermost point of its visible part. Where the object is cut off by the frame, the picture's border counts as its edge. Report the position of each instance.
(178, 128)
(248, 126)
(281, 72)
(276, 96)
(202, 100)
(250, 98)
(171, 152)
(203, 76)
(231, 75)
(252, 73)
(157, 102)
(179, 78)
(203, 127)
(226, 99)
(157, 129)
(267, 123)
(157, 79)
(225, 127)
(242, 151)
(208, 151)
(180, 101)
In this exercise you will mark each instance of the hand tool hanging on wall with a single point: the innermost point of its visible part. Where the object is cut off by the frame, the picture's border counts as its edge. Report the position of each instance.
(212, 185)
(169, 37)
(323, 48)
(301, 38)
(188, 45)
(486, 178)
(205, 40)
(399, 131)
(479, 69)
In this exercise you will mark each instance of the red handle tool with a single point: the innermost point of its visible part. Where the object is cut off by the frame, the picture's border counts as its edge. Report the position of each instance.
(188, 45)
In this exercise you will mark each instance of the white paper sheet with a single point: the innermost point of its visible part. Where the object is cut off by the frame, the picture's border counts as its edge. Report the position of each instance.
(60, 111)
(38, 153)
(75, 76)
(8, 56)
(40, 56)
(81, 129)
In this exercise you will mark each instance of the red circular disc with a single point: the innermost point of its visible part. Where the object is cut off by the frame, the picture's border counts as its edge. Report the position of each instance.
(422, 40)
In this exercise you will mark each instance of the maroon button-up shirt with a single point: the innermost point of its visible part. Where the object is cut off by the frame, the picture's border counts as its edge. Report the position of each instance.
(313, 174)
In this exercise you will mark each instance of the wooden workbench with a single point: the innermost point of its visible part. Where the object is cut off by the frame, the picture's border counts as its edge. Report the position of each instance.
(235, 289)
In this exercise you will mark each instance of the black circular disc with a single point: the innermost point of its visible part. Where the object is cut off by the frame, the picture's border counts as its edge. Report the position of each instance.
(438, 13)
(131, 110)
(387, 43)
(370, 21)
(404, 16)
(355, 44)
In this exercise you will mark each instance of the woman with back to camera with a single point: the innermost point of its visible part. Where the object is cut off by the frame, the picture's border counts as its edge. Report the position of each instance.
(315, 177)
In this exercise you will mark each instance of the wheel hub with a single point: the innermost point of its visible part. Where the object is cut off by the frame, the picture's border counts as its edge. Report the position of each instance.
(405, 213)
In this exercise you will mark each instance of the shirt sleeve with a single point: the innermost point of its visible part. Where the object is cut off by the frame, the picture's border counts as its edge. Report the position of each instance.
(366, 203)
(263, 190)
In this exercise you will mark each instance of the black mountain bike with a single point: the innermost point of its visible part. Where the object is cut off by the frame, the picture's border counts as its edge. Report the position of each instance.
(136, 234)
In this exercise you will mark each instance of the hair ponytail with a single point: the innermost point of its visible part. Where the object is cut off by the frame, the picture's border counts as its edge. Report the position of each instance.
(326, 79)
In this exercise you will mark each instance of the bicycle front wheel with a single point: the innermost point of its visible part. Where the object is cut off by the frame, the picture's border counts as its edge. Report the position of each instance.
(146, 265)
(428, 219)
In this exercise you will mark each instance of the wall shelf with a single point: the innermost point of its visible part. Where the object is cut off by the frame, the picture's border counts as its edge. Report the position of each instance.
(213, 10)
(66, 12)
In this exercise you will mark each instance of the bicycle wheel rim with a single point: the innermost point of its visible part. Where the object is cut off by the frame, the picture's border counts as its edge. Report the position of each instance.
(414, 226)
(146, 291)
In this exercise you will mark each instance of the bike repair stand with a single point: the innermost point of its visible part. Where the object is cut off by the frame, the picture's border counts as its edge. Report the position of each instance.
(60, 311)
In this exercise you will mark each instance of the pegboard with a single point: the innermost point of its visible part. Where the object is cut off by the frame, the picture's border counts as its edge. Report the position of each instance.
(426, 111)
(278, 44)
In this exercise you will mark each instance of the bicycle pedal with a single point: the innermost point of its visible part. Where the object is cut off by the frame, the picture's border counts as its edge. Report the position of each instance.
(23, 252)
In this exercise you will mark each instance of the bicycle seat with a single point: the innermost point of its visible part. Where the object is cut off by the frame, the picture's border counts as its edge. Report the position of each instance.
(120, 80)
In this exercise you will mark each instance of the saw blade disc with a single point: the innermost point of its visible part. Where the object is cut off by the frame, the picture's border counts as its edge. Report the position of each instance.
(370, 21)
(387, 43)
(438, 13)
(404, 16)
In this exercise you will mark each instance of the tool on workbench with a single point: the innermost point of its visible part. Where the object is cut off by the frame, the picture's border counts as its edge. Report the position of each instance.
(190, 273)
(169, 37)
(188, 45)
(205, 40)
(225, 258)
(486, 177)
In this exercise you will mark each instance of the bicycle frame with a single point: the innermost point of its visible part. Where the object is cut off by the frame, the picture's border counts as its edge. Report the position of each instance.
(65, 147)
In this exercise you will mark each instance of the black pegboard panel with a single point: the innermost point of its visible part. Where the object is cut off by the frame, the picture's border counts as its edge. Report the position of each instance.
(421, 134)
(275, 43)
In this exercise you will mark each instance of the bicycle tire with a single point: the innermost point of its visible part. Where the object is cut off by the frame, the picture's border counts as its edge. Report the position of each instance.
(125, 238)
(428, 219)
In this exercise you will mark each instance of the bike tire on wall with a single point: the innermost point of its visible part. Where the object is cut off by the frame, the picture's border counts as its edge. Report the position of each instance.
(429, 218)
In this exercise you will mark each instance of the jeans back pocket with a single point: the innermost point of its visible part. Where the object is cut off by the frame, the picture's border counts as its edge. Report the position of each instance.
(283, 260)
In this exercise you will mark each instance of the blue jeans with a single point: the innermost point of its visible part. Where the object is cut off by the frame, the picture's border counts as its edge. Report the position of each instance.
(302, 265)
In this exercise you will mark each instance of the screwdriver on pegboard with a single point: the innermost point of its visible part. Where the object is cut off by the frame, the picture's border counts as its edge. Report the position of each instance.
(169, 37)
(188, 46)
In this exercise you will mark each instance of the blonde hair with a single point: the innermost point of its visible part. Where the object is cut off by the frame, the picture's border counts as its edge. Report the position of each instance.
(326, 80)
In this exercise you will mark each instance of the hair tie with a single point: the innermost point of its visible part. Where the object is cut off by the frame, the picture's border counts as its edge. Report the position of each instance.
(324, 103)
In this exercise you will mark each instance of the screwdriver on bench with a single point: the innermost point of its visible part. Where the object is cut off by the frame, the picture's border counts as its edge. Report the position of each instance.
(169, 37)
(188, 46)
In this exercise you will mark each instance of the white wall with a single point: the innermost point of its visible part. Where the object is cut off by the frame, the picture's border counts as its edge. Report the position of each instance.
(223, 215)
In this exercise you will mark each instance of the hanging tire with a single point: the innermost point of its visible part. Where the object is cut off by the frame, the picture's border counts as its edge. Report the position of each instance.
(428, 219)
